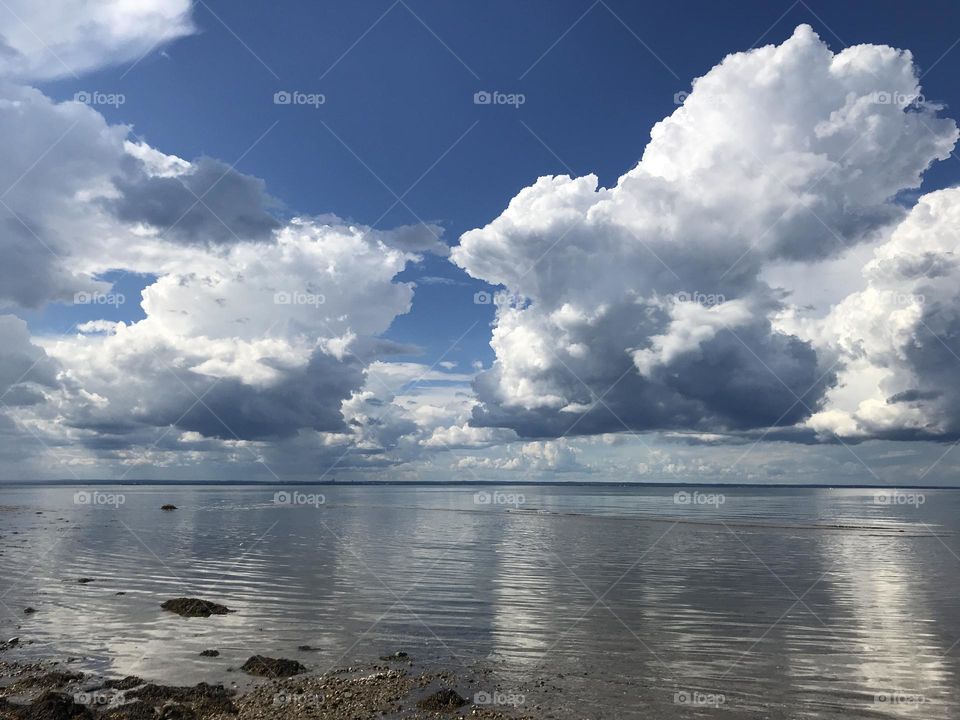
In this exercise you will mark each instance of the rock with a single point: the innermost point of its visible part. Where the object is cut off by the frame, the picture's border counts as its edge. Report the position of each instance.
(13, 641)
(177, 712)
(28, 611)
(84, 581)
(168, 507)
(203, 698)
(210, 653)
(55, 706)
(444, 700)
(272, 667)
(399, 655)
(195, 607)
(54, 680)
(120, 593)
(127, 683)
(131, 711)
(305, 648)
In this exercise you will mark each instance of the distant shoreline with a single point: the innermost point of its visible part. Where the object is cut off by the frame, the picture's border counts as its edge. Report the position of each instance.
(454, 484)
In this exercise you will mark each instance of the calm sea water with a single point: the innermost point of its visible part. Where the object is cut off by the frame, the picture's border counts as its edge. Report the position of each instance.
(769, 602)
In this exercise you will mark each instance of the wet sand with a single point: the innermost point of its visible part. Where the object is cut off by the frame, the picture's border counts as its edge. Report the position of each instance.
(49, 691)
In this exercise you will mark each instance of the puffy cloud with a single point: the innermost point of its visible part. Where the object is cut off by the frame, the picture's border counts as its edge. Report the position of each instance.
(79, 199)
(25, 369)
(898, 340)
(257, 330)
(57, 158)
(645, 306)
(41, 40)
(255, 341)
(207, 201)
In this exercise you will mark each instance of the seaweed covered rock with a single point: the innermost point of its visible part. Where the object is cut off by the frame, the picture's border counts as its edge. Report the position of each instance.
(52, 706)
(272, 667)
(444, 700)
(137, 710)
(177, 712)
(203, 698)
(195, 607)
(126, 683)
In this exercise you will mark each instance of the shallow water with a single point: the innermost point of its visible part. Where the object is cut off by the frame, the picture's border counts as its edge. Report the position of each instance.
(800, 603)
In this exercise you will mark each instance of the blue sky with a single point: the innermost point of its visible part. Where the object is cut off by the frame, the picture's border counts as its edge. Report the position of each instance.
(764, 296)
(399, 80)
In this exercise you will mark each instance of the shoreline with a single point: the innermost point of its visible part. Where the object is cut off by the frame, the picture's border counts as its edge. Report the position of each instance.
(210, 484)
(395, 687)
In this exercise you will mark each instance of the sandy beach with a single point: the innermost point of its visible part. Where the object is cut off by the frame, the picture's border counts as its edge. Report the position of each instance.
(395, 688)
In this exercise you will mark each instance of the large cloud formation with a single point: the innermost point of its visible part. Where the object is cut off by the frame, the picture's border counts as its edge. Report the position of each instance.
(642, 306)
(259, 333)
(898, 340)
(646, 306)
